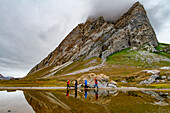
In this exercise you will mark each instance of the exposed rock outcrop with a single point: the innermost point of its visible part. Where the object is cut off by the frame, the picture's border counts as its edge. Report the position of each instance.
(155, 77)
(101, 38)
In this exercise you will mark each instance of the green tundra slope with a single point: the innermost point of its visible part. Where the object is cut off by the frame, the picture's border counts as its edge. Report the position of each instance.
(125, 65)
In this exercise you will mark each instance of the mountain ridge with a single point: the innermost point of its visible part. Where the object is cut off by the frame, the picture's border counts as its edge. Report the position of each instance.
(101, 38)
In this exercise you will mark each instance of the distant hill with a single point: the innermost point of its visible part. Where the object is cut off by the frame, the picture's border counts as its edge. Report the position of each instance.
(5, 78)
(1, 75)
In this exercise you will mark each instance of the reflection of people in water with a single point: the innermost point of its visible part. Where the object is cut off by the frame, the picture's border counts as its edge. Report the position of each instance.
(85, 83)
(85, 94)
(96, 83)
(67, 94)
(75, 93)
(96, 94)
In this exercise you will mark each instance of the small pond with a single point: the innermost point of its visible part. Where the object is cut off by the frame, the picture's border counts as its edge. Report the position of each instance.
(84, 101)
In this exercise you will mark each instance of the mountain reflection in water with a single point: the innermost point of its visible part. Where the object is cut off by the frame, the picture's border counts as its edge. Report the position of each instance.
(95, 101)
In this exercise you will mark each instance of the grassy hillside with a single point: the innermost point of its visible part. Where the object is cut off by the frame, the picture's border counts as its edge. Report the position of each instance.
(38, 74)
(78, 65)
(124, 65)
(141, 58)
(162, 47)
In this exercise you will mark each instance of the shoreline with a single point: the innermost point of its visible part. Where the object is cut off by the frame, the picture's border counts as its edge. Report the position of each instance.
(71, 88)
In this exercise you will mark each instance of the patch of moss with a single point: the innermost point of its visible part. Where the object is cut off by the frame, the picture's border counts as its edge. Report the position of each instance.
(162, 46)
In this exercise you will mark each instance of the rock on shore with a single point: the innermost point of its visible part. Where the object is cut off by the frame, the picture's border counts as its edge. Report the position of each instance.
(103, 80)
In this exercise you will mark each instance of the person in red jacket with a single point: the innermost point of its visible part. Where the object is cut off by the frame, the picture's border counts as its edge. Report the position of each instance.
(68, 83)
(96, 83)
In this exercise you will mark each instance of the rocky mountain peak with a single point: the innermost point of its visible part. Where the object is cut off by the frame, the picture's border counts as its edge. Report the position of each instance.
(136, 10)
(92, 19)
(100, 38)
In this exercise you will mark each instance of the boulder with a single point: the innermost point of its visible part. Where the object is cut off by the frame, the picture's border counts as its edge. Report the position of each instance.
(123, 81)
(112, 84)
(162, 80)
(163, 77)
(134, 49)
(103, 80)
(154, 76)
(168, 77)
(155, 72)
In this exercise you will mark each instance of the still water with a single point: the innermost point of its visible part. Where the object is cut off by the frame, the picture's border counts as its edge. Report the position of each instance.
(84, 101)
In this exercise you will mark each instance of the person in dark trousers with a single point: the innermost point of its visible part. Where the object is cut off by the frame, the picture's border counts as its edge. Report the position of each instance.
(75, 93)
(85, 83)
(96, 83)
(75, 84)
(68, 83)
(67, 94)
(96, 94)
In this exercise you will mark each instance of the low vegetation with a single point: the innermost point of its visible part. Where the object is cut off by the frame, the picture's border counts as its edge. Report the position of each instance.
(32, 83)
(39, 73)
(140, 58)
(80, 64)
(124, 65)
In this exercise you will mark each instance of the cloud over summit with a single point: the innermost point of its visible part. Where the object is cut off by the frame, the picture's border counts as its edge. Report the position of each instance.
(31, 29)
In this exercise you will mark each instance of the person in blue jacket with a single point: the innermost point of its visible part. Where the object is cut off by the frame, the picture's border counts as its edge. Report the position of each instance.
(85, 83)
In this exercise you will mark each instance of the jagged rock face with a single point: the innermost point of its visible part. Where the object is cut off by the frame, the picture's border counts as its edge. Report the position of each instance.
(100, 38)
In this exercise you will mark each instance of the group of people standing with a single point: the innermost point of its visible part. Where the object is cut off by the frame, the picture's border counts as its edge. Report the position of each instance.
(85, 83)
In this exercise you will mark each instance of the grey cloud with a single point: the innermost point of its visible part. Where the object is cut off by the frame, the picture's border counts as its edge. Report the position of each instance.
(110, 9)
(158, 14)
(31, 29)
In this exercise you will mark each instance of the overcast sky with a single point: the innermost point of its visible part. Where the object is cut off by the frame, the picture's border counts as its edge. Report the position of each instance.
(31, 29)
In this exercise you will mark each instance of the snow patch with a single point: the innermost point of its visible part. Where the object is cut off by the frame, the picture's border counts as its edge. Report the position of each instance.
(168, 68)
